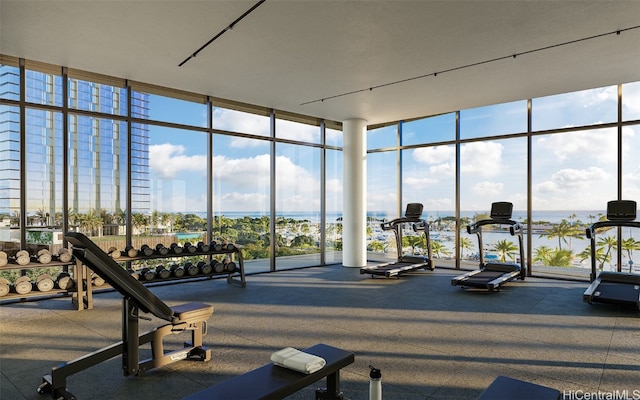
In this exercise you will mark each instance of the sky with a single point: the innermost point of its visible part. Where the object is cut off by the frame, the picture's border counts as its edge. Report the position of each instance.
(573, 170)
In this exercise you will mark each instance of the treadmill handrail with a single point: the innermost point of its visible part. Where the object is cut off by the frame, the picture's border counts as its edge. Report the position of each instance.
(591, 230)
(386, 226)
(108, 269)
(475, 227)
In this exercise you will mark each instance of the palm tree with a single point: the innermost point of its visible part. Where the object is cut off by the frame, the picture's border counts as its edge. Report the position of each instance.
(437, 248)
(601, 257)
(413, 241)
(505, 248)
(562, 231)
(377, 246)
(629, 245)
(553, 257)
(607, 243)
(465, 244)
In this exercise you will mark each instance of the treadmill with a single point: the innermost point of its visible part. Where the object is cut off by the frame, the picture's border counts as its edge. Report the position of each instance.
(404, 263)
(613, 287)
(492, 275)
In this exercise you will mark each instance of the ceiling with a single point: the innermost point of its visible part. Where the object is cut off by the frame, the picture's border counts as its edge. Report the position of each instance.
(377, 60)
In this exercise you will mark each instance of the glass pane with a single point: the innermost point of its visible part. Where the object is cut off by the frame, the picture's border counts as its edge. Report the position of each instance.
(241, 122)
(631, 163)
(492, 171)
(630, 191)
(168, 109)
(9, 82)
(428, 177)
(499, 119)
(574, 176)
(333, 137)
(297, 206)
(587, 107)
(241, 206)
(98, 177)
(441, 128)
(382, 204)
(382, 138)
(44, 88)
(297, 131)
(333, 224)
(631, 101)
(91, 96)
(9, 177)
(44, 169)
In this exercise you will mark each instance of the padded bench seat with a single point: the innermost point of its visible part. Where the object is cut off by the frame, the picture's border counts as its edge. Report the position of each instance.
(192, 311)
(273, 382)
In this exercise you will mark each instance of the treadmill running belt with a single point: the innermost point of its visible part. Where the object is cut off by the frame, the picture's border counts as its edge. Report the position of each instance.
(482, 278)
(611, 292)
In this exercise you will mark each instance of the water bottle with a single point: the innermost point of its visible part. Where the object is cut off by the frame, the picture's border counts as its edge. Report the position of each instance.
(375, 384)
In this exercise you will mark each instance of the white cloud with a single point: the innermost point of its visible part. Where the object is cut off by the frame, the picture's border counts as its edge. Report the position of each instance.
(486, 188)
(434, 155)
(593, 145)
(236, 121)
(168, 161)
(420, 182)
(481, 158)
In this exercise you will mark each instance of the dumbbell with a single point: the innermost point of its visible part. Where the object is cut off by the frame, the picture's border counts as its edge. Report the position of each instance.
(229, 266)
(64, 255)
(22, 285)
(203, 247)
(44, 257)
(204, 267)
(190, 248)
(97, 280)
(162, 272)
(191, 269)
(4, 287)
(4, 259)
(134, 274)
(148, 274)
(44, 282)
(22, 257)
(114, 253)
(160, 249)
(64, 281)
(217, 246)
(175, 248)
(146, 250)
(229, 246)
(218, 267)
(131, 251)
(177, 270)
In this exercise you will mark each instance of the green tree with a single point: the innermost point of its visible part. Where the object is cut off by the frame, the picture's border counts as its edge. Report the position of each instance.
(438, 249)
(505, 248)
(413, 241)
(465, 244)
(562, 231)
(629, 245)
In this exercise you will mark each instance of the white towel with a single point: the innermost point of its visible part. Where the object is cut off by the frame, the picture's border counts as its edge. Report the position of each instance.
(298, 360)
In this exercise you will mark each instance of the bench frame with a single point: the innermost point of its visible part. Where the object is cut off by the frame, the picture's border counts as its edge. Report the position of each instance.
(186, 317)
(272, 382)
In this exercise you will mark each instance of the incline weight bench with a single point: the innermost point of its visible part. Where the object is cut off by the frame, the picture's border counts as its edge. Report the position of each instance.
(186, 317)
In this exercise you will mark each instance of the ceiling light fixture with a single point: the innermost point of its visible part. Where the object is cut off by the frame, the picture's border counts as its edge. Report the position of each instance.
(228, 28)
(434, 74)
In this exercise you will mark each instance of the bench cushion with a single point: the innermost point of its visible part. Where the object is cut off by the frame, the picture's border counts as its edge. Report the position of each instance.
(273, 382)
(192, 312)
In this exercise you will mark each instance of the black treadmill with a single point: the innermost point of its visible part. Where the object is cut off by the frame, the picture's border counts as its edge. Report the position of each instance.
(405, 263)
(613, 287)
(492, 275)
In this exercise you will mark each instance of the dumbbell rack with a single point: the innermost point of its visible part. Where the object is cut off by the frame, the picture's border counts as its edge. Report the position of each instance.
(11, 265)
(235, 277)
